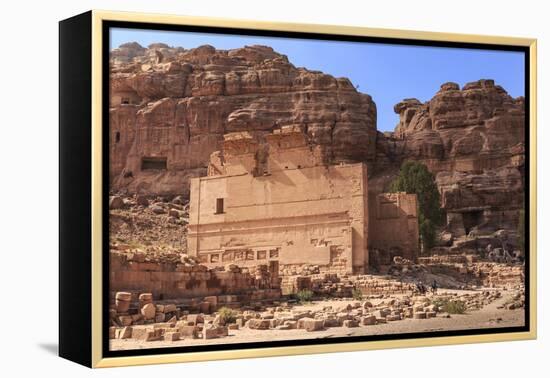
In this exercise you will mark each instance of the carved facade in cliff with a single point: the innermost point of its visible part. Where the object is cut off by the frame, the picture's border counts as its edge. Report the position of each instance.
(273, 198)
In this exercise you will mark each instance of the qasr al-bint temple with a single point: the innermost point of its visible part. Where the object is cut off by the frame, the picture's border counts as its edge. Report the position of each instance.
(274, 199)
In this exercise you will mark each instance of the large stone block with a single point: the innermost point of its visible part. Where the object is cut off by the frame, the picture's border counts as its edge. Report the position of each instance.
(310, 324)
(148, 311)
(258, 323)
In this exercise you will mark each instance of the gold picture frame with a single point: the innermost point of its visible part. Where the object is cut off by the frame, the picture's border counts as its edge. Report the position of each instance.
(89, 267)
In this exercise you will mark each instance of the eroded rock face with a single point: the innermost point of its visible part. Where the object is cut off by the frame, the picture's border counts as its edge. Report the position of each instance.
(473, 140)
(170, 108)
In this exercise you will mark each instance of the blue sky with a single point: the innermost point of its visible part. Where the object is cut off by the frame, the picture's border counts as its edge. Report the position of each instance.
(389, 73)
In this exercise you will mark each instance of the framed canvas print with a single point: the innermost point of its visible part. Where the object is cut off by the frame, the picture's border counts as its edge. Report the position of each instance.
(235, 189)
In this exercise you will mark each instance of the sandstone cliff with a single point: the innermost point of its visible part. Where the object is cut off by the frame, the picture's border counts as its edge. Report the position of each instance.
(170, 108)
(473, 140)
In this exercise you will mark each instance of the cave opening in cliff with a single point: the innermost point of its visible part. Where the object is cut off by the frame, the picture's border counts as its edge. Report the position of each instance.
(471, 219)
(153, 163)
(117, 137)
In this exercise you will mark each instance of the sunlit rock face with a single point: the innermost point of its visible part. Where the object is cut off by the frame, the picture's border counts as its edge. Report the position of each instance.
(473, 140)
(170, 108)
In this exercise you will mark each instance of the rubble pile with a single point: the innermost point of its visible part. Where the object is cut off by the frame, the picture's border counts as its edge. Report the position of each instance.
(331, 285)
(500, 275)
(168, 322)
(516, 301)
(150, 224)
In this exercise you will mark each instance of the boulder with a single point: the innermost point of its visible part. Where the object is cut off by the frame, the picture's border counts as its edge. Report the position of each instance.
(116, 202)
(142, 200)
(157, 209)
(148, 311)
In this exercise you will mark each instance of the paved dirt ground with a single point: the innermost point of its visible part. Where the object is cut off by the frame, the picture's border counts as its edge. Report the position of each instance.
(487, 317)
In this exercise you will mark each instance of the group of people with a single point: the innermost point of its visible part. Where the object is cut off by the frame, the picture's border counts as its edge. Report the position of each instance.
(503, 254)
(423, 289)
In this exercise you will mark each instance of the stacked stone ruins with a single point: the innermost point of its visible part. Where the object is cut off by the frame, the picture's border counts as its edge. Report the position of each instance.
(274, 198)
(239, 181)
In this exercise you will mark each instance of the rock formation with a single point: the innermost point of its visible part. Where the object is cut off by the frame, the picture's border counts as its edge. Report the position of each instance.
(473, 140)
(170, 108)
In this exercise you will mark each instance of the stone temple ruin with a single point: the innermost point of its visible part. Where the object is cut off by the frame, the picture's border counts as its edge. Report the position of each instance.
(239, 181)
(276, 201)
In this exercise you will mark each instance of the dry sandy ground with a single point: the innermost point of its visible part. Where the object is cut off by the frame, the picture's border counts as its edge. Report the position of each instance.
(487, 317)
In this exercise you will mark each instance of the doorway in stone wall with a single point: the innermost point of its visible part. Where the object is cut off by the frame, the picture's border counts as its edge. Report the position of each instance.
(471, 219)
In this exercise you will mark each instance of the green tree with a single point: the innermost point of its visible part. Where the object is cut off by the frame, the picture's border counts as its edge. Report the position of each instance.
(415, 178)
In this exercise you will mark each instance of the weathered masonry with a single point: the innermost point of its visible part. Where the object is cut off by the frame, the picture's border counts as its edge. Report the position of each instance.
(273, 198)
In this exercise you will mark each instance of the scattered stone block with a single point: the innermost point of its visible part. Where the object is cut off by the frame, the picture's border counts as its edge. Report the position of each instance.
(283, 327)
(350, 323)
(366, 305)
(310, 324)
(170, 308)
(368, 320)
(140, 333)
(419, 315)
(418, 308)
(332, 322)
(172, 320)
(188, 331)
(211, 331)
(292, 324)
(393, 318)
(112, 332)
(148, 311)
(153, 335)
(124, 333)
(172, 336)
(258, 324)
(125, 320)
(204, 307)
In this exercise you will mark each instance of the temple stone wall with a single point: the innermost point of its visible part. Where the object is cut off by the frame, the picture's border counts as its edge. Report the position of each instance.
(170, 280)
(274, 198)
(280, 203)
(393, 227)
